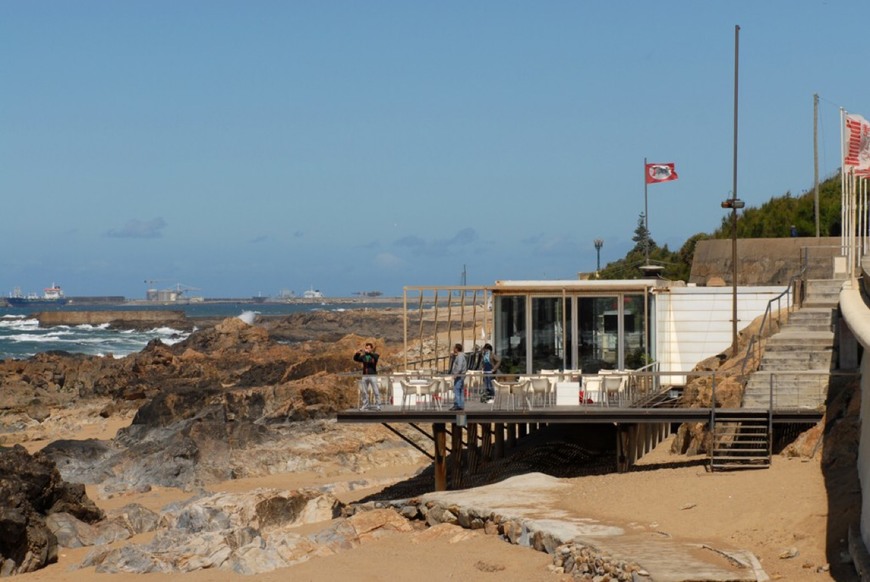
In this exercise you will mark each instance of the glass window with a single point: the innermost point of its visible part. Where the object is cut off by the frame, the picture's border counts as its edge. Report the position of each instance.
(598, 328)
(634, 336)
(551, 349)
(510, 325)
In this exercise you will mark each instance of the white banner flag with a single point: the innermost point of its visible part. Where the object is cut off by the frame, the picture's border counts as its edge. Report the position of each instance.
(857, 145)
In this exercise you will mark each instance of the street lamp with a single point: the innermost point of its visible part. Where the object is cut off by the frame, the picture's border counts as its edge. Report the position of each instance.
(598, 244)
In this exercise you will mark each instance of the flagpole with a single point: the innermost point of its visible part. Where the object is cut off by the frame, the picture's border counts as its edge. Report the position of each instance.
(733, 202)
(645, 216)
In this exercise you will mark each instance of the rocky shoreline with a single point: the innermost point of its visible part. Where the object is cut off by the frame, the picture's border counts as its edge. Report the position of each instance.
(235, 402)
(232, 401)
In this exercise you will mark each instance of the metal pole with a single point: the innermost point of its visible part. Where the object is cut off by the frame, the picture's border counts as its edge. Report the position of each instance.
(816, 157)
(645, 216)
(734, 202)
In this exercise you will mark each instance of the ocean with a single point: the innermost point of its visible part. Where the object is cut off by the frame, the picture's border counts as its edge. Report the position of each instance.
(21, 336)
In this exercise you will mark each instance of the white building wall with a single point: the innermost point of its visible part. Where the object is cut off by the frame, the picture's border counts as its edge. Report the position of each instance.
(694, 323)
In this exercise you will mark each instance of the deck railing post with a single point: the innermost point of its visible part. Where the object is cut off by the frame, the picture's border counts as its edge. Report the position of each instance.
(770, 401)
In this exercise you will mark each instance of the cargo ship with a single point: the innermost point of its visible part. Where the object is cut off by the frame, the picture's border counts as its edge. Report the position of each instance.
(50, 296)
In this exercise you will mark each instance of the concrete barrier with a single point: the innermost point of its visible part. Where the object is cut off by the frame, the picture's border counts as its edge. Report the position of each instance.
(154, 317)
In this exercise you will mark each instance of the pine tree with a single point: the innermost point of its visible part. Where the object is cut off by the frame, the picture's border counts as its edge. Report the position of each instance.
(641, 235)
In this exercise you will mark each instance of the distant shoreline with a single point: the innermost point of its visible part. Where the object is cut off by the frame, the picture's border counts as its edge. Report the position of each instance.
(121, 301)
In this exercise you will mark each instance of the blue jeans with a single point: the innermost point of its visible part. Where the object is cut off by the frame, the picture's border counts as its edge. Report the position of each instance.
(369, 383)
(487, 383)
(459, 392)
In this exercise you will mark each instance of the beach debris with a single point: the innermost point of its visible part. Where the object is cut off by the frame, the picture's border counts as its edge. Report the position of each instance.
(789, 553)
(488, 567)
(688, 506)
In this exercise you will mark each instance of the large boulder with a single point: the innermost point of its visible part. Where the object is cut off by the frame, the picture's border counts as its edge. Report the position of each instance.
(725, 389)
(32, 489)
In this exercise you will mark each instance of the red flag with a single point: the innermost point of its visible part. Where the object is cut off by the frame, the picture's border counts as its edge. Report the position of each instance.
(857, 144)
(660, 173)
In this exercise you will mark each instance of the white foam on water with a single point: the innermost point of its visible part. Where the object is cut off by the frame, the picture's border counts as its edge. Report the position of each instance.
(20, 324)
(248, 316)
(167, 331)
(30, 337)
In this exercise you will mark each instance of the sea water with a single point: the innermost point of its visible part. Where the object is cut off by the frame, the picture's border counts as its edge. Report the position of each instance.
(22, 337)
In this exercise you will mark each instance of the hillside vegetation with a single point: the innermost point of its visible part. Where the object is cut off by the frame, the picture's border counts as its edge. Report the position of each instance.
(773, 219)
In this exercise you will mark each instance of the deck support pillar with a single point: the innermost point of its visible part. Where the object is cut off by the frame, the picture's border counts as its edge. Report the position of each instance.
(486, 441)
(439, 431)
(499, 440)
(473, 450)
(456, 454)
(511, 435)
(626, 446)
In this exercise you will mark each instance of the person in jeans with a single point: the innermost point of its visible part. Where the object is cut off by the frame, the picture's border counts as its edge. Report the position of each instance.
(457, 370)
(369, 360)
(489, 363)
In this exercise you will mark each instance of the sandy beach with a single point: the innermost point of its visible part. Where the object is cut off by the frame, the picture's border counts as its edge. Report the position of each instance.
(780, 514)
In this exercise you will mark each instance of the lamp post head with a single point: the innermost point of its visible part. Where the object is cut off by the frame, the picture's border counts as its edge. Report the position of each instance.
(598, 243)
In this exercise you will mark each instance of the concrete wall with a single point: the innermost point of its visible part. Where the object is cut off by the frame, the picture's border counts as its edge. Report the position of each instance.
(51, 318)
(856, 314)
(694, 323)
(764, 261)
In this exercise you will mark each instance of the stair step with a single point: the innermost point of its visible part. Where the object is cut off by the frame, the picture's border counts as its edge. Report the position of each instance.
(725, 459)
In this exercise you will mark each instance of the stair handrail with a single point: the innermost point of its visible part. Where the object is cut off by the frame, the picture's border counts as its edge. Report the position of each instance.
(755, 340)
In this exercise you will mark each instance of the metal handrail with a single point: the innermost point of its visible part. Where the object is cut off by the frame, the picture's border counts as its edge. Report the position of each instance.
(756, 338)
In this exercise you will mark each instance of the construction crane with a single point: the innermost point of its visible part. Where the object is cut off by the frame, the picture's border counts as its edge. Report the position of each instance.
(182, 288)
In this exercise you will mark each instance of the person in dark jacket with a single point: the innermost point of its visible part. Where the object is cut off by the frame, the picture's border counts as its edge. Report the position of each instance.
(458, 370)
(368, 357)
(489, 363)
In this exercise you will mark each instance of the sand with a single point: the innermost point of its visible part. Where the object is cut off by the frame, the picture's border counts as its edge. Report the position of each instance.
(780, 511)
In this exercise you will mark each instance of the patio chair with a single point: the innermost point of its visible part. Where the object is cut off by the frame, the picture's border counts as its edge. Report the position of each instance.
(591, 390)
(503, 396)
(423, 392)
(539, 388)
(611, 386)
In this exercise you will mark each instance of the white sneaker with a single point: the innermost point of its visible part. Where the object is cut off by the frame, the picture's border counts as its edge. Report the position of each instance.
(490, 401)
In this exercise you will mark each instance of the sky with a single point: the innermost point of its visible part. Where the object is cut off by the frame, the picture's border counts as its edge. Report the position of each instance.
(241, 148)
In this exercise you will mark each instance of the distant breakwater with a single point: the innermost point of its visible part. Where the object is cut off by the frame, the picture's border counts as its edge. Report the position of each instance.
(162, 317)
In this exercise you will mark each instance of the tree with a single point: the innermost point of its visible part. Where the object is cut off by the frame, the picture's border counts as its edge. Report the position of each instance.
(641, 235)
(773, 219)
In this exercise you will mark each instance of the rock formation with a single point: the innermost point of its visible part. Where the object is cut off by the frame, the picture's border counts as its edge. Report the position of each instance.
(32, 491)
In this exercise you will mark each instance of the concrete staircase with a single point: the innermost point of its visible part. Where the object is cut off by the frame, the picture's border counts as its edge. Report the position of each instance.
(798, 360)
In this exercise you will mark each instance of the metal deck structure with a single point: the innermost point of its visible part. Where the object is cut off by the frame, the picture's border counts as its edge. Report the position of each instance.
(483, 432)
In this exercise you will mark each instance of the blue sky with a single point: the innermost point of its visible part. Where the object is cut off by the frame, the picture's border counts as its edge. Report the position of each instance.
(245, 148)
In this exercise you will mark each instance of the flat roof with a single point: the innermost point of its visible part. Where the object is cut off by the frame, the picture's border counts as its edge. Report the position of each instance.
(582, 285)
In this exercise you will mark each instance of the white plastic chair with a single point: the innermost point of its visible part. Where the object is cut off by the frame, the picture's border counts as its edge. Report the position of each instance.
(429, 393)
(503, 392)
(423, 393)
(539, 387)
(592, 389)
(385, 386)
(611, 386)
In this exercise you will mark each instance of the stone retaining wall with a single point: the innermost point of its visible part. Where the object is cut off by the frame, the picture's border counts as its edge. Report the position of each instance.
(764, 261)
